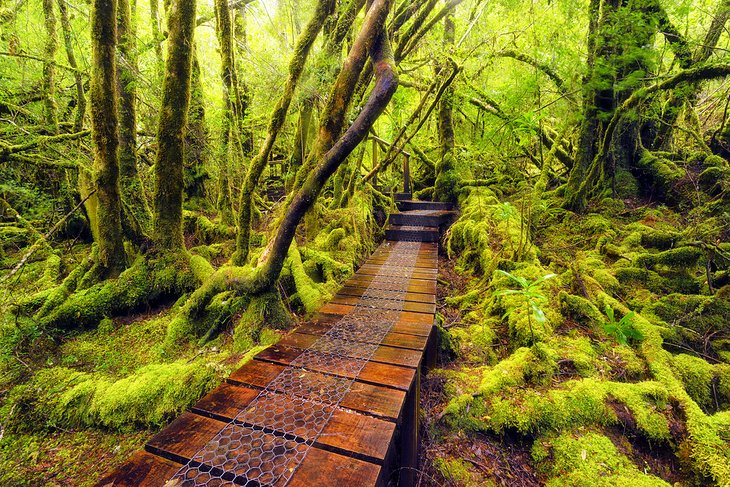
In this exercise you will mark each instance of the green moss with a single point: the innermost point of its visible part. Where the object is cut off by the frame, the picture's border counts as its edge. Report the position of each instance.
(583, 402)
(588, 458)
(662, 173)
(334, 238)
(679, 258)
(460, 473)
(261, 315)
(142, 284)
(580, 309)
(696, 375)
(309, 295)
(534, 366)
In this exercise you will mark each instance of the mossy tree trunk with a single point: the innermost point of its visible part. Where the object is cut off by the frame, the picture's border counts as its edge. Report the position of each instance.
(301, 141)
(157, 36)
(106, 139)
(445, 185)
(225, 41)
(196, 137)
(136, 213)
(597, 92)
(326, 156)
(243, 94)
(258, 163)
(49, 67)
(78, 81)
(168, 197)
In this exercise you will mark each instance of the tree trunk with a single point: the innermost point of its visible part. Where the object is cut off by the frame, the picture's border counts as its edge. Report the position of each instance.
(258, 164)
(597, 96)
(242, 91)
(157, 37)
(445, 185)
(49, 67)
(68, 42)
(136, 212)
(104, 130)
(685, 95)
(301, 141)
(196, 137)
(168, 198)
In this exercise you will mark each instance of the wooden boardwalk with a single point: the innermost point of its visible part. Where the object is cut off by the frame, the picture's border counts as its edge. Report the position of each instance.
(334, 403)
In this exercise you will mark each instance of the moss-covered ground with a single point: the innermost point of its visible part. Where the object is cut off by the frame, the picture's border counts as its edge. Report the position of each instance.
(581, 349)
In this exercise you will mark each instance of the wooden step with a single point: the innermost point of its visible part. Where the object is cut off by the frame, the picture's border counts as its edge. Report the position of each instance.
(408, 205)
(412, 233)
(425, 218)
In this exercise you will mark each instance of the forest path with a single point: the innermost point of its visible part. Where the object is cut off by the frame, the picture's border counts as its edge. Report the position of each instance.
(335, 402)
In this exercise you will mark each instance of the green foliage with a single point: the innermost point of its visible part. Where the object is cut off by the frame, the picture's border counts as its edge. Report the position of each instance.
(623, 330)
(530, 294)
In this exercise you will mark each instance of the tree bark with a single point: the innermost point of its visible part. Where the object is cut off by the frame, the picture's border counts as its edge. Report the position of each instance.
(196, 136)
(168, 198)
(104, 131)
(372, 39)
(157, 37)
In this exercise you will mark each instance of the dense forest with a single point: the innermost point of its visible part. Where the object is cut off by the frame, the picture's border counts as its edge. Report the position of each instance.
(183, 182)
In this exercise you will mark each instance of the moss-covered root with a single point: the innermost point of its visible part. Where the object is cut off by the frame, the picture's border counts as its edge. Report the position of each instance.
(68, 398)
(144, 283)
(59, 294)
(706, 444)
(310, 294)
(263, 312)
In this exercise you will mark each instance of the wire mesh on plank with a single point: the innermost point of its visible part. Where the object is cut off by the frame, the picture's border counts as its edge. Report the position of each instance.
(268, 440)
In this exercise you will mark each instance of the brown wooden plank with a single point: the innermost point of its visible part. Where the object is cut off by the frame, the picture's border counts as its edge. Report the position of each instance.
(321, 323)
(292, 344)
(397, 356)
(374, 372)
(321, 468)
(407, 305)
(388, 375)
(255, 373)
(358, 433)
(225, 401)
(376, 400)
(414, 285)
(411, 342)
(419, 263)
(142, 468)
(182, 439)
